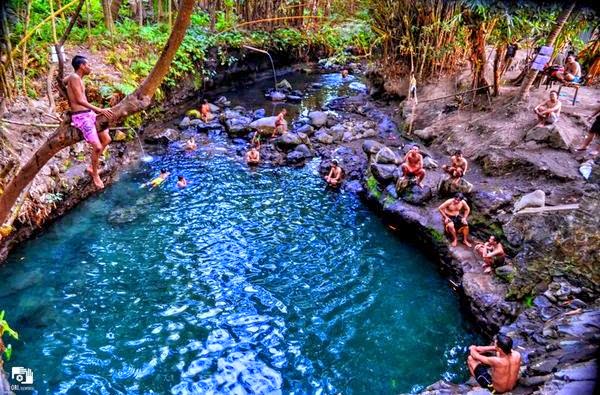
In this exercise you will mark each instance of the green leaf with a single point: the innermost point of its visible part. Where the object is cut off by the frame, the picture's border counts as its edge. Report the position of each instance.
(8, 352)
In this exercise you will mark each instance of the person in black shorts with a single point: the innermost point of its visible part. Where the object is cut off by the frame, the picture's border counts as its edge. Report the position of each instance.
(594, 131)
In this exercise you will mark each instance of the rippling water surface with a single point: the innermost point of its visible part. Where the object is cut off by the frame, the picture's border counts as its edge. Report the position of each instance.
(245, 282)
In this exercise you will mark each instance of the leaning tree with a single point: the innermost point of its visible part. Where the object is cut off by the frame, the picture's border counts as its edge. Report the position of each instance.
(66, 135)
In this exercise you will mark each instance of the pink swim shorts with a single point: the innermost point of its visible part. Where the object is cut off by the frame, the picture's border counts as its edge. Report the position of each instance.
(86, 122)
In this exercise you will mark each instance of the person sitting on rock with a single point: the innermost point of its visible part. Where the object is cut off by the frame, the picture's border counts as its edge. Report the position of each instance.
(492, 253)
(191, 145)
(158, 180)
(594, 131)
(504, 365)
(205, 113)
(454, 222)
(181, 182)
(334, 178)
(413, 166)
(548, 111)
(253, 156)
(457, 168)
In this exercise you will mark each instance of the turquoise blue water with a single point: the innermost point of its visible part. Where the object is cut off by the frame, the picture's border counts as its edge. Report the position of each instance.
(248, 281)
(245, 282)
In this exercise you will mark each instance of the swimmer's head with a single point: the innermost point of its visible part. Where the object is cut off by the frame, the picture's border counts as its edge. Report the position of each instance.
(180, 178)
(163, 171)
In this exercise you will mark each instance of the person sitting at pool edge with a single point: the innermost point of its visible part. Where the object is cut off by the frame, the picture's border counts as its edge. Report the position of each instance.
(413, 166)
(158, 180)
(492, 253)
(457, 168)
(182, 182)
(253, 156)
(548, 111)
(504, 365)
(191, 145)
(454, 222)
(205, 113)
(334, 177)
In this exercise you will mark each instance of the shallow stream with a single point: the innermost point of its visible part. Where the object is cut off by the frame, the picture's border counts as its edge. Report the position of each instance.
(248, 281)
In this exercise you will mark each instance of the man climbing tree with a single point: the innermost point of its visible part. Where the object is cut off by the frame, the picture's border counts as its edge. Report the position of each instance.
(83, 115)
(66, 135)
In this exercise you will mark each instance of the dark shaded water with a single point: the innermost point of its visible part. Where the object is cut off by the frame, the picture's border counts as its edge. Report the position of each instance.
(245, 282)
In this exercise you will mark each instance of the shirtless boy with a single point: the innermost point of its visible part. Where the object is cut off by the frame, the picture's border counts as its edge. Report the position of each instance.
(280, 123)
(571, 72)
(453, 220)
(457, 168)
(253, 156)
(492, 253)
(335, 174)
(548, 111)
(205, 113)
(413, 166)
(498, 373)
(83, 115)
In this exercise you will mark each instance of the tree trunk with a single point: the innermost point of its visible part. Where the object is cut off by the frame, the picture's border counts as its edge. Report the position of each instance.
(108, 20)
(478, 56)
(498, 67)
(115, 6)
(532, 74)
(66, 135)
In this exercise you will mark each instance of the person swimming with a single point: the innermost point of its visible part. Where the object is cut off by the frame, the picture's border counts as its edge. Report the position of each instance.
(182, 182)
(156, 182)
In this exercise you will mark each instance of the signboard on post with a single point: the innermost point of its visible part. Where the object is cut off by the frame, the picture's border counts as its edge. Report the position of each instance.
(543, 58)
(54, 55)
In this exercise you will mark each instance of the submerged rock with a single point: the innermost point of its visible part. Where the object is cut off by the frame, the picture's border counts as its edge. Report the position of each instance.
(123, 216)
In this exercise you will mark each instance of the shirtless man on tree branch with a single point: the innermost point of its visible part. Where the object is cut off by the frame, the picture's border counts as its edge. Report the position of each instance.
(83, 115)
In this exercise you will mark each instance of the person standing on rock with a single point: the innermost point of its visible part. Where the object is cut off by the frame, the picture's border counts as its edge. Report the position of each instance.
(594, 131)
(205, 113)
(457, 168)
(334, 177)
(504, 365)
(413, 166)
(548, 111)
(454, 222)
(83, 115)
(280, 123)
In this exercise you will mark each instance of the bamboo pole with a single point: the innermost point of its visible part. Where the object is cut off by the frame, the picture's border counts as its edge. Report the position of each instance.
(30, 33)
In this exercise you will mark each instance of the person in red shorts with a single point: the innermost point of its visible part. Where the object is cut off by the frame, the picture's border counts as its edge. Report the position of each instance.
(83, 115)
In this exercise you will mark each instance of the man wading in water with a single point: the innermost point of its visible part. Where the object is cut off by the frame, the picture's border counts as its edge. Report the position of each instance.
(504, 365)
(83, 115)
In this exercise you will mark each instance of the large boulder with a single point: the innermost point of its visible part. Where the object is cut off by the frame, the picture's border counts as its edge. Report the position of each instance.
(386, 156)
(384, 173)
(288, 140)
(162, 137)
(448, 187)
(284, 85)
(238, 126)
(185, 122)
(306, 129)
(264, 125)
(317, 118)
(371, 147)
(337, 132)
(550, 135)
(534, 199)
(323, 137)
(277, 96)
(415, 194)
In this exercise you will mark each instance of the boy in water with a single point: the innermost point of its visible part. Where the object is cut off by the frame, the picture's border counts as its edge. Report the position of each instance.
(253, 156)
(83, 115)
(182, 182)
(158, 180)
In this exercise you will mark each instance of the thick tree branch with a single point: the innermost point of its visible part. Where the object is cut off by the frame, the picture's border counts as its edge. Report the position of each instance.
(67, 135)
